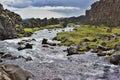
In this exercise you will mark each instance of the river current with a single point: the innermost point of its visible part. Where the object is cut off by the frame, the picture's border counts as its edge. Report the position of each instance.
(51, 63)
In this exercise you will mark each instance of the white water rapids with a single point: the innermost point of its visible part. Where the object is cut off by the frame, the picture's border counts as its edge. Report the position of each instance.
(52, 63)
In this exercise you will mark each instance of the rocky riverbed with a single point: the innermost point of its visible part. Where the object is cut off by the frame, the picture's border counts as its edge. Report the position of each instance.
(51, 62)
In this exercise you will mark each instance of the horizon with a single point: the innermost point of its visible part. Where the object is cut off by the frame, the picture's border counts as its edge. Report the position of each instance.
(47, 8)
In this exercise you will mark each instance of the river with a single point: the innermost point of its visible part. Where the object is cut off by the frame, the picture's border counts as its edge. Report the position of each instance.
(51, 63)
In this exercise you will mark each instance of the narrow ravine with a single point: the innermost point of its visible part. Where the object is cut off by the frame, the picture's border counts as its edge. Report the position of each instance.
(51, 63)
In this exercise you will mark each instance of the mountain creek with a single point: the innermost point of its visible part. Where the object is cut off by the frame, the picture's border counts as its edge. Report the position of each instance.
(51, 62)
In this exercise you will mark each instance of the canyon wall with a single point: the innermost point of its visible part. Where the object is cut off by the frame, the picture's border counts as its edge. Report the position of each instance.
(10, 24)
(106, 12)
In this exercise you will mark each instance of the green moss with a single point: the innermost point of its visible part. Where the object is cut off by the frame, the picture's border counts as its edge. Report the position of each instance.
(83, 49)
(52, 26)
(21, 35)
(32, 30)
(71, 24)
(91, 33)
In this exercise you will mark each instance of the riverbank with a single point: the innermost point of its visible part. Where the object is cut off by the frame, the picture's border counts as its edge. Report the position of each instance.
(30, 31)
(53, 63)
(102, 40)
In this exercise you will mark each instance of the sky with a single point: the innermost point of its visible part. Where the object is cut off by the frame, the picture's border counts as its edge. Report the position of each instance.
(47, 8)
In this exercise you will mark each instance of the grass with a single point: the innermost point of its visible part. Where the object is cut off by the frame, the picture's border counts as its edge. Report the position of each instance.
(21, 35)
(80, 34)
(32, 30)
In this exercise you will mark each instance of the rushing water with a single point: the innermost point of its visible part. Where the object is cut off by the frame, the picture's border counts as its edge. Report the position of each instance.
(52, 63)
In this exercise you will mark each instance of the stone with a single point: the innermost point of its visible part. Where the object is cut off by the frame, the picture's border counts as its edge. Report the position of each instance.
(28, 59)
(102, 53)
(100, 47)
(73, 50)
(13, 72)
(57, 79)
(86, 40)
(115, 59)
(117, 47)
(44, 41)
(27, 46)
(2, 53)
(8, 56)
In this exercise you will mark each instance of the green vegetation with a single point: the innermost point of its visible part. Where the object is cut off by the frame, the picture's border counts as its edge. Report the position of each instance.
(90, 36)
(21, 35)
(32, 30)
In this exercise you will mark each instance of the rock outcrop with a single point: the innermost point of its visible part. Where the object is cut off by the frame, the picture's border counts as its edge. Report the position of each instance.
(10, 24)
(104, 12)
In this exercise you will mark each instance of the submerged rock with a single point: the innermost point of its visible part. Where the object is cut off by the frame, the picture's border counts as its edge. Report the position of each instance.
(8, 56)
(102, 53)
(57, 79)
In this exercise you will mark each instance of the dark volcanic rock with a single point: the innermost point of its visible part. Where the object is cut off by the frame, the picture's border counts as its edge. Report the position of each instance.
(115, 59)
(73, 50)
(57, 79)
(44, 41)
(27, 46)
(8, 56)
(105, 12)
(10, 24)
(117, 47)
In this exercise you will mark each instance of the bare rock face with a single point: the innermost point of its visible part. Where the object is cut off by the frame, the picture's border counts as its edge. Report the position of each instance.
(13, 72)
(106, 12)
(10, 24)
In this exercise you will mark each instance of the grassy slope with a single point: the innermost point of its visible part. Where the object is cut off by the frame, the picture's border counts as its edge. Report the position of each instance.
(88, 32)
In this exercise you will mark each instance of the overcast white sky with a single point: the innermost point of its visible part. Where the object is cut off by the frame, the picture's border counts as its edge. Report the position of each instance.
(47, 8)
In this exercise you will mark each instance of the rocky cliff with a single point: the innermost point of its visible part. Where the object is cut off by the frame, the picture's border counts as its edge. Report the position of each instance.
(106, 12)
(10, 24)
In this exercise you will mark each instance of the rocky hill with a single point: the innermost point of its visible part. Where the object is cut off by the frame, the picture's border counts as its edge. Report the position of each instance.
(37, 22)
(10, 24)
(105, 12)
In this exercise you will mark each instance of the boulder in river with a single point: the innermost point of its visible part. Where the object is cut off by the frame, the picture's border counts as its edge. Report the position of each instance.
(29, 40)
(57, 79)
(27, 46)
(2, 53)
(117, 47)
(102, 53)
(8, 56)
(45, 43)
(13, 72)
(73, 50)
(115, 59)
